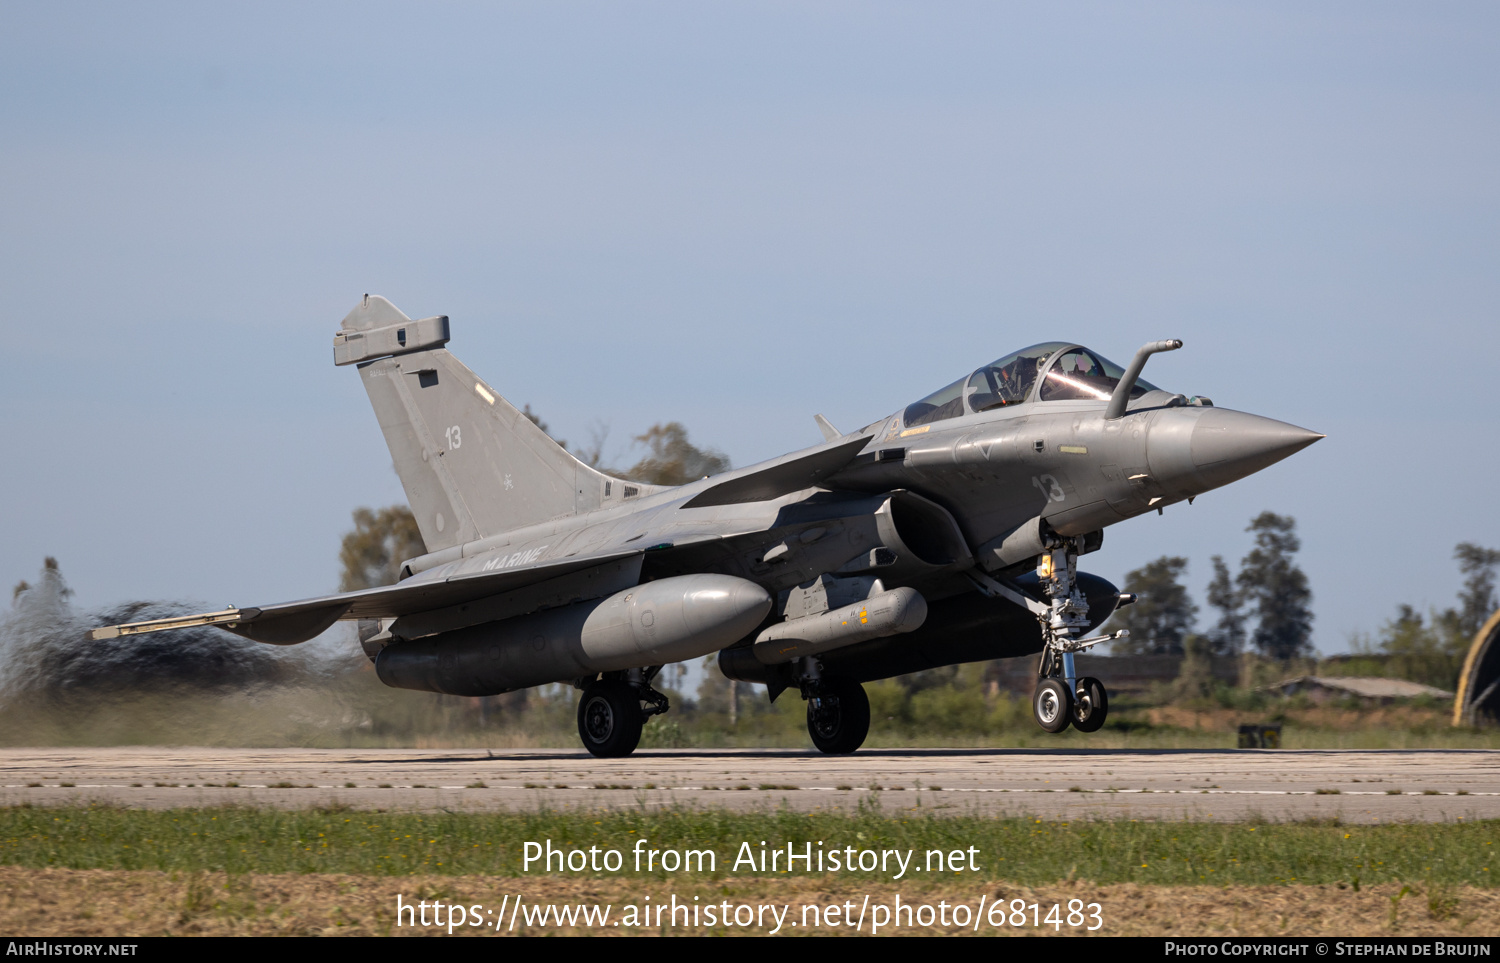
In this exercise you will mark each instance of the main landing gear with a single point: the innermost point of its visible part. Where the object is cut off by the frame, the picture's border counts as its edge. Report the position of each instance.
(611, 714)
(838, 711)
(1061, 698)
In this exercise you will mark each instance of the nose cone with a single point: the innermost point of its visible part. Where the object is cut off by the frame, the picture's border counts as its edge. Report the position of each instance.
(1228, 445)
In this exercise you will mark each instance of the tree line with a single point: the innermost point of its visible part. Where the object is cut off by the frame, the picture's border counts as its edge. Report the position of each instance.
(1265, 608)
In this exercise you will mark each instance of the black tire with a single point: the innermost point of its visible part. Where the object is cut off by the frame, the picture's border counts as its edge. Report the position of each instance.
(1051, 705)
(1090, 705)
(841, 721)
(610, 719)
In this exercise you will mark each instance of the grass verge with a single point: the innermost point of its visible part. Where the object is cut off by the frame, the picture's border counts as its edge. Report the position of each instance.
(1021, 851)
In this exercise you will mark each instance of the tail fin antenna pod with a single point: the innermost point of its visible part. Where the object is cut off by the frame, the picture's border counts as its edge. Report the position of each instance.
(472, 464)
(386, 336)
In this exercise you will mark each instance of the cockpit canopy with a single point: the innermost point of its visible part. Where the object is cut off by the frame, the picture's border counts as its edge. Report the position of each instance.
(1074, 374)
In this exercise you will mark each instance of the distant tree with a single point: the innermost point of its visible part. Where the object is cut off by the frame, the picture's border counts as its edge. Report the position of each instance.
(1195, 676)
(372, 554)
(1163, 614)
(719, 694)
(1276, 589)
(1228, 635)
(590, 455)
(593, 454)
(51, 577)
(1477, 600)
(1431, 653)
(1405, 634)
(1432, 650)
(536, 419)
(673, 460)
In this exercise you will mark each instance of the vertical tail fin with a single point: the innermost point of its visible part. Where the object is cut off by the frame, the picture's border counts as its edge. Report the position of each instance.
(471, 463)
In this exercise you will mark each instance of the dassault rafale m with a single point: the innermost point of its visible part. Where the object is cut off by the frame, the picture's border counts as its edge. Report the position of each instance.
(947, 532)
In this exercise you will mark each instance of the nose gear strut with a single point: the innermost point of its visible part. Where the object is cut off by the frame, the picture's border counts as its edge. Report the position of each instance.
(1061, 696)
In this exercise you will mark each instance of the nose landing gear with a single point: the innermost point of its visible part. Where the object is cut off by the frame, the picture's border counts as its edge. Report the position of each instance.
(1061, 697)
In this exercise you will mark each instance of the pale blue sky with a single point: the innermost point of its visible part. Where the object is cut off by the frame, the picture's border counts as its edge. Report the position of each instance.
(736, 215)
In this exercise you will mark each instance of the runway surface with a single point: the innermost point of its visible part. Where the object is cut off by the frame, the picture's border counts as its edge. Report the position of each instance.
(1383, 786)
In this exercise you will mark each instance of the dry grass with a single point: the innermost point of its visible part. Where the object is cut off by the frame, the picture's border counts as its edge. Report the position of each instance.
(60, 902)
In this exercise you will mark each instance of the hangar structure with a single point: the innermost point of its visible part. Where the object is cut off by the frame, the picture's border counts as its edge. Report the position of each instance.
(1478, 701)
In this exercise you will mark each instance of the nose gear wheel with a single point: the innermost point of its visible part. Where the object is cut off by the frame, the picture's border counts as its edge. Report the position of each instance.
(1090, 705)
(1052, 705)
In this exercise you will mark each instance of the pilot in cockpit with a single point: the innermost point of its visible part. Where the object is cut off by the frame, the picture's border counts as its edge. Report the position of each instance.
(1077, 374)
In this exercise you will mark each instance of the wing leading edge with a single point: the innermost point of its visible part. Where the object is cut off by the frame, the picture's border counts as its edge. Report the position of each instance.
(781, 476)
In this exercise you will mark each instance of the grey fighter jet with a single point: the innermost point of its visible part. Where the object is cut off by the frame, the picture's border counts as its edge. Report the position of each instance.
(948, 532)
